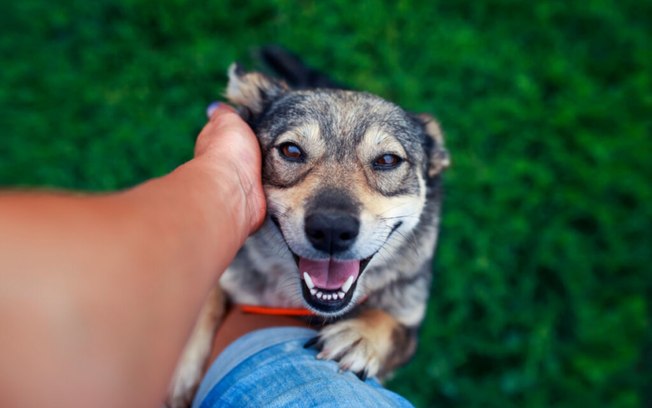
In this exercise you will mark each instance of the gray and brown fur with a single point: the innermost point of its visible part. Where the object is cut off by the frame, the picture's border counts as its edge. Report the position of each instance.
(341, 134)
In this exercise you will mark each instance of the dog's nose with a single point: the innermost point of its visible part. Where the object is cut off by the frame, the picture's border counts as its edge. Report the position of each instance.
(332, 232)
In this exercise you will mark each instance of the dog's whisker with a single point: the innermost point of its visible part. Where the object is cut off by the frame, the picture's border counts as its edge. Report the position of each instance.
(410, 241)
(400, 216)
(398, 206)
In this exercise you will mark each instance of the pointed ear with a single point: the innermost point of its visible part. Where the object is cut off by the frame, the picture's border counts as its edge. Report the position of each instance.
(439, 157)
(252, 90)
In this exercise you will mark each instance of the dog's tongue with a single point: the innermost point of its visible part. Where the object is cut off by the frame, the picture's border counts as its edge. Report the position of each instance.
(329, 274)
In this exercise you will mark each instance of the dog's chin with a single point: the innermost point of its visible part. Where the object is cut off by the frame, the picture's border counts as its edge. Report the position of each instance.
(334, 301)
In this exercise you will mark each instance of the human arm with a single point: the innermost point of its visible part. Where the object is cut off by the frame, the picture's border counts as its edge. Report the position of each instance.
(99, 293)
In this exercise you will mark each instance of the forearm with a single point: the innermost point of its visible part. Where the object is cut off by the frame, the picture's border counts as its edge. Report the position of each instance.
(105, 289)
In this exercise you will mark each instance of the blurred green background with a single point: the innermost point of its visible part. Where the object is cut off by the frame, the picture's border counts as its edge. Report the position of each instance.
(543, 287)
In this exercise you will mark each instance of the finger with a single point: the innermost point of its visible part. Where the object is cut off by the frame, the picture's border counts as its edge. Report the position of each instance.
(226, 118)
(224, 123)
(216, 108)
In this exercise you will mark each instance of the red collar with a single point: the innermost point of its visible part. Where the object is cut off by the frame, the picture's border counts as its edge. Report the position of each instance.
(275, 311)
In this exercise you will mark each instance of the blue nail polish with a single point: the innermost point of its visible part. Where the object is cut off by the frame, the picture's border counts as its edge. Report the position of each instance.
(211, 108)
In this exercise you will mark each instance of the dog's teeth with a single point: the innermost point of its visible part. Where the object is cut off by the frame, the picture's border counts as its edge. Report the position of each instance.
(327, 297)
(308, 280)
(319, 295)
(347, 284)
(313, 291)
(341, 294)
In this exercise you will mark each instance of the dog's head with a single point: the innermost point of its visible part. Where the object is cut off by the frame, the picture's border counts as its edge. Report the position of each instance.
(346, 176)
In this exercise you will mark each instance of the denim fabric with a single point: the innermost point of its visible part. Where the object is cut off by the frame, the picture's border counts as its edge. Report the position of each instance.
(270, 368)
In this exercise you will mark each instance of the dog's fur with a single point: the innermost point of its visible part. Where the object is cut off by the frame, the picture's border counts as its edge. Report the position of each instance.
(349, 177)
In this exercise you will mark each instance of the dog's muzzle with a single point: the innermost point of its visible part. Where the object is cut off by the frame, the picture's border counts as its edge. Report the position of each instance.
(328, 284)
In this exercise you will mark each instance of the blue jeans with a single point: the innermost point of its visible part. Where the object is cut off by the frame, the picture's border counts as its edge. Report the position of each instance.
(270, 368)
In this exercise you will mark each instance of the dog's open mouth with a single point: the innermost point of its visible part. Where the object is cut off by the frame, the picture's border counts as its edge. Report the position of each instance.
(328, 285)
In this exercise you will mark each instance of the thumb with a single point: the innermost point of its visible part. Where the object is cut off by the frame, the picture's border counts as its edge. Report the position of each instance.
(224, 126)
(216, 108)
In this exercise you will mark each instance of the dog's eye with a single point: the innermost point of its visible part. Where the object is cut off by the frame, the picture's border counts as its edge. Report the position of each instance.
(386, 162)
(291, 152)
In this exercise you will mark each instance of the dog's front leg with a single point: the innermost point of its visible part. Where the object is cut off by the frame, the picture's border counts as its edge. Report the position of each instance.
(192, 364)
(370, 344)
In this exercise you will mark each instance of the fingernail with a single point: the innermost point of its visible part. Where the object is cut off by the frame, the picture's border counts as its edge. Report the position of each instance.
(211, 108)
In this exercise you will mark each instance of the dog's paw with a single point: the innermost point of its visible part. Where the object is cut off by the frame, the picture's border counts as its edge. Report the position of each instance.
(362, 345)
(190, 369)
(184, 384)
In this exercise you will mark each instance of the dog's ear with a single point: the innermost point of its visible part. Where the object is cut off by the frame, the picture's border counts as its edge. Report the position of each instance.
(252, 91)
(439, 157)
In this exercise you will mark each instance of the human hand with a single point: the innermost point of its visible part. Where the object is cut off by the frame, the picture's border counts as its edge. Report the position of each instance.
(229, 146)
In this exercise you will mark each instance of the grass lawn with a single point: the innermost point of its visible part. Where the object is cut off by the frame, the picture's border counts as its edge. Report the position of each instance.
(544, 285)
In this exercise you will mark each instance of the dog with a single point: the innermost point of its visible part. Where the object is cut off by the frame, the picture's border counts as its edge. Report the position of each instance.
(353, 188)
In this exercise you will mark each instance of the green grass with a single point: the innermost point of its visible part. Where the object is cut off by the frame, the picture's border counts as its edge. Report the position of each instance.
(543, 287)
